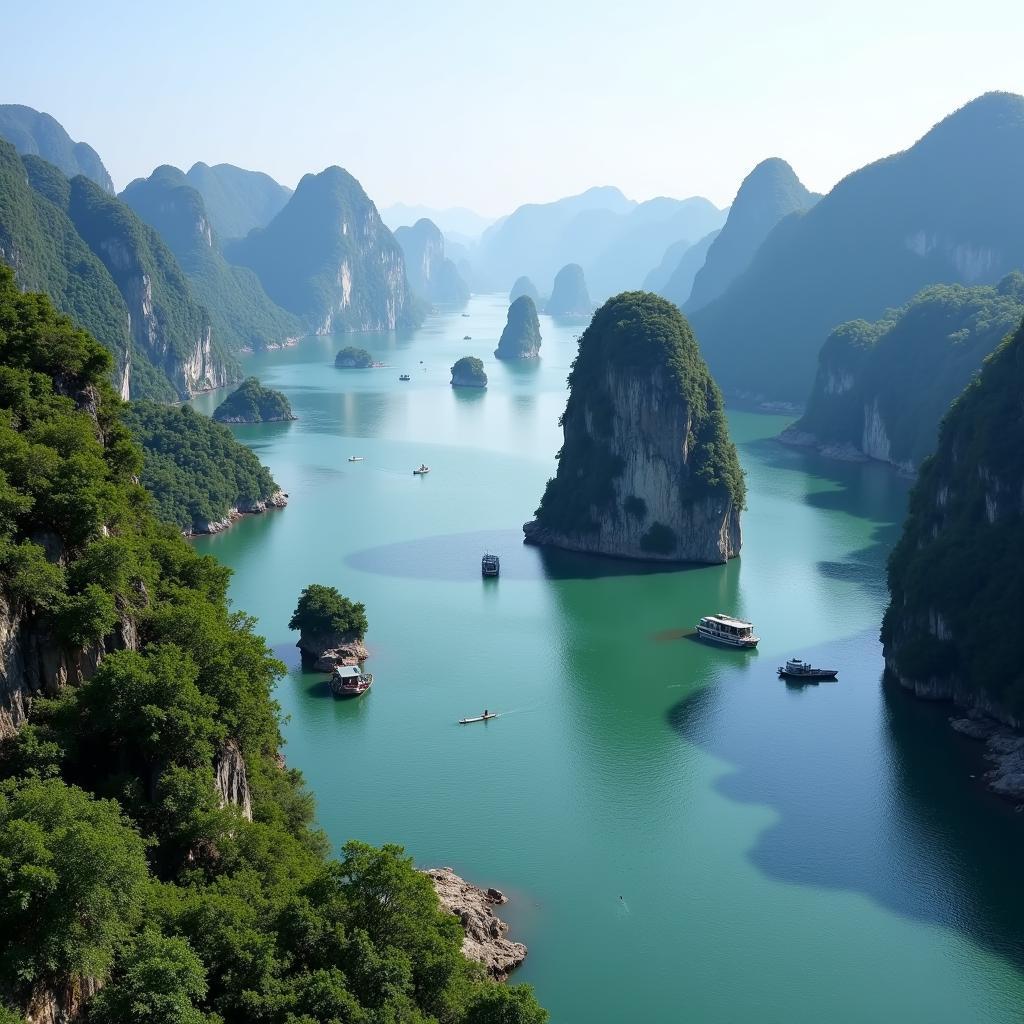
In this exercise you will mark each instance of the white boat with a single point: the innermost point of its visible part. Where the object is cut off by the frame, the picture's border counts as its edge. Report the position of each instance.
(726, 630)
(422, 471)
(355, 458)
(485, 717)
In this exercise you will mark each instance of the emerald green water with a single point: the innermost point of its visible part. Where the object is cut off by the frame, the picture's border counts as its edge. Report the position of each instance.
(781, 854)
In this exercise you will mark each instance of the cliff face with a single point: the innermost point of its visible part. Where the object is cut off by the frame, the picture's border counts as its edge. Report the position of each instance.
(569, 295)
(431, 274)
(521, 337)
(647, 469)
(524, 286)
(871, 398)
(956, 577)
(328, 258)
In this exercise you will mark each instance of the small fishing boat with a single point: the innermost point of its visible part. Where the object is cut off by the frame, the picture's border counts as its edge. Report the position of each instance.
(796, 668)
(726, 630)
(466, 337)
(355, 458)
(422, 471)
(485, 717)
(465, 314)
(404, 376)
(490, 565)
(350, 681)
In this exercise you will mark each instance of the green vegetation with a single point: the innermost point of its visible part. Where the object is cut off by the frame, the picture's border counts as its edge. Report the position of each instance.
(569, 295)
(237, 200)
(324, 611)
(521, 337)
(644, 337)
(328, 258)
(352, 358)
(468, 372)
(949, 329)
(195, 469)
(243, 316)
(944, 210)
(253, 403)
(957, 574)
(120, 860)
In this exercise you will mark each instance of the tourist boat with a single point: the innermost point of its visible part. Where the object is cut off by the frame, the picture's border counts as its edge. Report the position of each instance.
(350, 681)
(485, 717)
(490, 565)
(795, 668)
(355, 458)
(422, 471)
(724, 629)
(404, 376)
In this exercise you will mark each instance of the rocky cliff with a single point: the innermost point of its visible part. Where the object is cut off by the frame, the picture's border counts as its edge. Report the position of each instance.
(431, 274)
(956, 577)
(468, 372)
(647, 469)
(524, 286)
(237, 200)
(569, 295)
(520, 338)
(870, 397)
(328, 258)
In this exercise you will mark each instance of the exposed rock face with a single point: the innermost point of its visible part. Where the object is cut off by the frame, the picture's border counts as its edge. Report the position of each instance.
(871, 398)
(62, 1005)
(323, 651)
(276, 500)
(521, 337)
(647, 469)
(569, 295)
(956, 577)
(431, 274)
(485, 939)
(524, 286)
(468, 372)
(230, 779)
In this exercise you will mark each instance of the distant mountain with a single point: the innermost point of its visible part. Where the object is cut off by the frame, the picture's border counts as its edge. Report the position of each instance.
(523, 286)
(243, 315)
(948, 209)
(614, 239)
(465, 225)
(237, 200)
(678, 282)
(882, 388)
(328, 258)
(113, 274)
(768, 193)
(569, 296)
(431, 274)
(33, 133)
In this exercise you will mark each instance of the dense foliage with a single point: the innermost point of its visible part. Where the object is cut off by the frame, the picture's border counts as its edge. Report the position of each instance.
(468, 372)
(253, 403)
(243, 316)
(195, 469)
(237, 200)
(569, 296)
(644, 337)
(520, 338)
(120, 860)
(945, 210)
(353, 358)
(949, 329)
(957, 574)
(324, 611)
(328, 258)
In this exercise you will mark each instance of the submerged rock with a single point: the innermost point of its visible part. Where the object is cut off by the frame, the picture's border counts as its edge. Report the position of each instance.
(521, 337)
(647, 470)
(485, 940)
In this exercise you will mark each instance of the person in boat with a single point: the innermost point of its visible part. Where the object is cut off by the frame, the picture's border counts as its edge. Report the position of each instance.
(486, 712)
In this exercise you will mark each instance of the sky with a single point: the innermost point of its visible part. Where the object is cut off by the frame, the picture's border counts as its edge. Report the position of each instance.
(490, 105)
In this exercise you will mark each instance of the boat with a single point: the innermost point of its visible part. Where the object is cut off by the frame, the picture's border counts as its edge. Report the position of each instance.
(726, 630)
(796, 668)
(485, 717)
(466, 337)
(490, 565)
(422, 471)
(350, 681)
(465, 314)
(404, 376)
(355, 458)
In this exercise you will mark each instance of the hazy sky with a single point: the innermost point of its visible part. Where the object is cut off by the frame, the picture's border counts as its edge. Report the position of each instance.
(491, 105)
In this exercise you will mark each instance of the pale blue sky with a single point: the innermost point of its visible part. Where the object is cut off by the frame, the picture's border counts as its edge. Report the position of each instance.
(488, 106)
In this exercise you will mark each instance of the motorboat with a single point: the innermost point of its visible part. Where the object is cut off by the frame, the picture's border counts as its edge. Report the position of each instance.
(350, 681)
(726, 630)
(421, 471)
(796, 668)
(490, 565)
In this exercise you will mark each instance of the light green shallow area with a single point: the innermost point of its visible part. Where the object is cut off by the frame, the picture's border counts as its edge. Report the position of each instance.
(683, 836)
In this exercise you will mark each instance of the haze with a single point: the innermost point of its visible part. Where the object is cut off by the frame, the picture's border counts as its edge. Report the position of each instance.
(453, 104)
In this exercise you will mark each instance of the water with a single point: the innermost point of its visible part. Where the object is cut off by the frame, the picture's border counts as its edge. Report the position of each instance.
(781, 854)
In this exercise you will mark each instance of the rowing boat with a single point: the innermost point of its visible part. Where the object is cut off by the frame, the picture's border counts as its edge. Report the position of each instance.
(479, 718)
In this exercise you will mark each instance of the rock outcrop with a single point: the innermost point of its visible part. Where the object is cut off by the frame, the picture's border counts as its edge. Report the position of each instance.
(524, 286)
(956, 577)
(468, 372)
(231, 780)
(521, 337)
(485, 940)
(647, 469)
(569, 295)
(244, 508)
(253, 403)
(322, 652)
(431, 274)
(352, 358)
(872, 400)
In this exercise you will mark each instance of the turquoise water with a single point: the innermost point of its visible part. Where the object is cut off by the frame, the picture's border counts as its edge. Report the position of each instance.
(781, 854)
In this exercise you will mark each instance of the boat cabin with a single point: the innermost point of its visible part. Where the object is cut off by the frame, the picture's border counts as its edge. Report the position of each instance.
(490, 565)
(350, 681)
(725, 629)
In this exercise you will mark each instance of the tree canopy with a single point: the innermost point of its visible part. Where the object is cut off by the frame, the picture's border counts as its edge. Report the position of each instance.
(323, 611)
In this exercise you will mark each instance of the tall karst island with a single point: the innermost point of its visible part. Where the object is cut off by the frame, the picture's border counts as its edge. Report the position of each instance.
(647, 469)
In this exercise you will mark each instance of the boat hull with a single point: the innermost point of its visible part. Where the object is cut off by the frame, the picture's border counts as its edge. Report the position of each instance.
(727, 641)
(815, 676)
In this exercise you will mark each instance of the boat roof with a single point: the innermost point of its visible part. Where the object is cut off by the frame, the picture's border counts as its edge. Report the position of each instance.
(728, 620)
(347, 671)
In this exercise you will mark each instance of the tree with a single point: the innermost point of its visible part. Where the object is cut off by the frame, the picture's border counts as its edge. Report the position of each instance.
(505, 1004)
(323, 610)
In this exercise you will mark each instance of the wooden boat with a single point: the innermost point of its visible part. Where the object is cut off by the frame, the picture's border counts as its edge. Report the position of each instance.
(490, 565)
(479, 718)
(404, 376)
(795, 668)
(355, 458)
(726, 630)
(422, 471)
(350, 681)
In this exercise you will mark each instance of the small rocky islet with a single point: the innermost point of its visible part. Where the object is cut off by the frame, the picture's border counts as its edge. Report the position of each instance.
(253, 403)
(520, 338)
(468, 372)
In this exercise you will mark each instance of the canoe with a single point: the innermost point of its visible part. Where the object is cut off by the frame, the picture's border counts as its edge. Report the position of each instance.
(479, 718)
